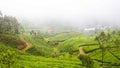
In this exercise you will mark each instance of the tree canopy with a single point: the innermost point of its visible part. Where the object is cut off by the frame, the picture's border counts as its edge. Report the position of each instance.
(9, 25)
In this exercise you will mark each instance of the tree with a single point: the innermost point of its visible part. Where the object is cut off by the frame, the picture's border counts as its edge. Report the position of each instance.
(1, 13)
(9, 25)
(102, 39)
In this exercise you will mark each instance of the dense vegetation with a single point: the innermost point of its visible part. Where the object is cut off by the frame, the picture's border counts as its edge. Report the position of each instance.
(62, 50)
(9, 25)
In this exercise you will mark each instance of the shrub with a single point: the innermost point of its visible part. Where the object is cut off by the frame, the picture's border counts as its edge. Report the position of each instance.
(7, 56)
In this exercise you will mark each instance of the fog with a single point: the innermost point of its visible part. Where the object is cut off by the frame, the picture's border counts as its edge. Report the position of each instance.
(66, 12)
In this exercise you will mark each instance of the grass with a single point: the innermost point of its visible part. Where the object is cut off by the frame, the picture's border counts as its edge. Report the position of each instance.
(39, 46)
(40, 55)
(42, 62)
(73, 44)
(63, 36)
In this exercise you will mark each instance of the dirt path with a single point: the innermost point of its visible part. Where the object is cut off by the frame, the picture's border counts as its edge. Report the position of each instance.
(25, 45)
(81, 50)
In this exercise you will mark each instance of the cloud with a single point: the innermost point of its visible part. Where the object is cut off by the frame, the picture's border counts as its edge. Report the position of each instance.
(79, 11)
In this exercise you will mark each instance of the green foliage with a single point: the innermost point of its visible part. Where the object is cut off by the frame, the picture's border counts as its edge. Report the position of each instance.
(39, 56)
(107, 54)
(40, 46)
(63, 36)
(86, 61)
(40, 51)
(9, 25)
(73, 44)
(7, 56)
(26, 61)
(11, 40)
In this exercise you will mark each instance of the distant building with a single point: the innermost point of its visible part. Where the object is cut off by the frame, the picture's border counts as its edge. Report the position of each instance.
(95, 28)
(89, 29)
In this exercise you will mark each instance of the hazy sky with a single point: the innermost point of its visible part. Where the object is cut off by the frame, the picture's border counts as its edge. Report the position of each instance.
(68, 10)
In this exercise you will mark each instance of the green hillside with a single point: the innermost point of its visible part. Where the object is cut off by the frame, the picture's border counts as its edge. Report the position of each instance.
(73, 44)
(41, 53)
(39, 46)
(23, 49)
(18, 59)
(63, 36)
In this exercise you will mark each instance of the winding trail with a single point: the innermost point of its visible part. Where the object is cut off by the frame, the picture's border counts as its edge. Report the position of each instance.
(25, 45)
(81, 50)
